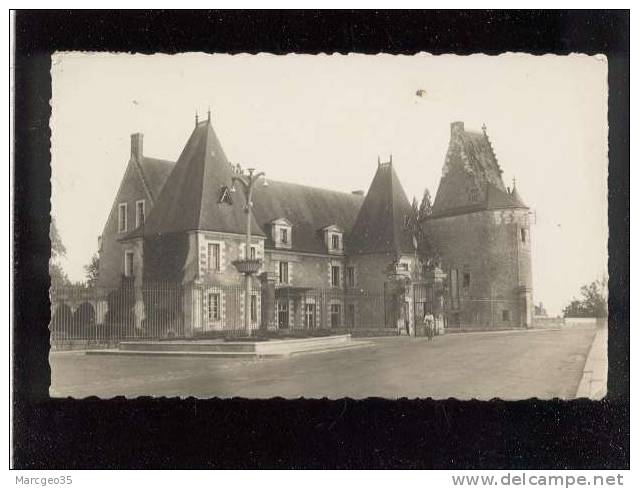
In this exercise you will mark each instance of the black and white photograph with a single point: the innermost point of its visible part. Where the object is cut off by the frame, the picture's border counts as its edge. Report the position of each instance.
(328, 240)
(329, 226)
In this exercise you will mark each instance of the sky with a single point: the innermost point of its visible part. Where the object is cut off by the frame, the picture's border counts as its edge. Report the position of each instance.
(324, 120)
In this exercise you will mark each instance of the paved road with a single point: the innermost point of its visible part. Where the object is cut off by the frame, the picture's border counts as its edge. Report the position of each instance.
(507, 365)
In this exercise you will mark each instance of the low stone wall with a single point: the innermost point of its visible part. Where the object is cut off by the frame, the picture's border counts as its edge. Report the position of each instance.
(546, 322)
(371, 333)
(82, 345)
(481, 330)
(301, 333)
(586, 321)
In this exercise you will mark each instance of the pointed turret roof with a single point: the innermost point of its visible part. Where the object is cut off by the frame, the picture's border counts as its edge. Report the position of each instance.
(514, 195)
(191, 197)
(471, 177)
(379, 227)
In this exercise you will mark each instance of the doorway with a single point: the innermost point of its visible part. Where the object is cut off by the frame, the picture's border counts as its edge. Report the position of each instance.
(282, 314)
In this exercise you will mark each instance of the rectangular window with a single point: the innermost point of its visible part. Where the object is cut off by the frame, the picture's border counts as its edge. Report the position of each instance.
(139, 213)
(282, 314)
(336, 315)
(283, 272)
(213, 256)
(335, 276)
(309, 316)
(128, 264)
(213, 306)
(335, 241)
(351, 316)
(454, 288)
(253, 308)
(523, 235)
(403, 266)
(253, 253)
(122, 224)
(466, 280)
(284, 236)
(505, 315)
(350, 276)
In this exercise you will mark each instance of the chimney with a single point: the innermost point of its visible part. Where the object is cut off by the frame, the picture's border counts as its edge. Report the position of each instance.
(137, 146)
(456, 128)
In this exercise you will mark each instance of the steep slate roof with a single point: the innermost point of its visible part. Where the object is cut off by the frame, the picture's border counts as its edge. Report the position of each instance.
(190, 197)
(309, 210)
(189, 200)
(379, 227)
(155, 172)
(471, 177)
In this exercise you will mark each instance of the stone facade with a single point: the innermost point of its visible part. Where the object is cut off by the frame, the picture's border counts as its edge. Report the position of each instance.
(111, 251)
(328, 259)
(141, 183)
(482, 232)
(492, 264)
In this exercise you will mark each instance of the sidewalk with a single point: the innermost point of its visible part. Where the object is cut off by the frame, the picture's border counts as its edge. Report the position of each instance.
(594, 381)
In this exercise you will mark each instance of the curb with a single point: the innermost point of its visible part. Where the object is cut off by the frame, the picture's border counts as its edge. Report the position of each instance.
(500, 331)
(594, 380)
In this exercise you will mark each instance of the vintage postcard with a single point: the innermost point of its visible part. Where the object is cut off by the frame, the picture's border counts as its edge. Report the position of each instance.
(331, 226)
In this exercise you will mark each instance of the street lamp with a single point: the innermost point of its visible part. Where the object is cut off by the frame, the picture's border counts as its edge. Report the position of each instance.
(247, 266)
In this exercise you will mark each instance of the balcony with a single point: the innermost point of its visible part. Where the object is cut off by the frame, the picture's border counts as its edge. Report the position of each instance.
(248, 267)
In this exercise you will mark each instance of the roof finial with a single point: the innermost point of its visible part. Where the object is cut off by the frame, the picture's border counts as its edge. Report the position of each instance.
(483, 128)
(379, 161)
(209, 114)
(391, 158)
(514, 182)
(196, 119)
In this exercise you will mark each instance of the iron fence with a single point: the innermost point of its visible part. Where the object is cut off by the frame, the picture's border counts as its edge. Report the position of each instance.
(85, 316)
(97, 316)
(328, 309)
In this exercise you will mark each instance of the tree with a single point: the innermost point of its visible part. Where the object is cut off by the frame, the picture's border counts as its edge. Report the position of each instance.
(57, 247)
(415, 225)
(426, 207)
(58, 276)
(92, 270)
(593, 302)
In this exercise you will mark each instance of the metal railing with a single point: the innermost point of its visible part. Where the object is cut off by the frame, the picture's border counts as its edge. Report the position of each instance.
(85, 317)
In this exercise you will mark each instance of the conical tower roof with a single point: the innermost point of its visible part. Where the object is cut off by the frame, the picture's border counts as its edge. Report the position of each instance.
(471, 177)
(191, 198)
(516, 198)
(379, 227)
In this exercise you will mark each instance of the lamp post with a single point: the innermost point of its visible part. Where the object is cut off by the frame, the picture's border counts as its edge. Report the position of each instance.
(247, 266)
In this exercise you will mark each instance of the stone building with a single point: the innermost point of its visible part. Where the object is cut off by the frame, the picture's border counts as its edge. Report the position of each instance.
(141, 184)
(327, 256)
(482, 232)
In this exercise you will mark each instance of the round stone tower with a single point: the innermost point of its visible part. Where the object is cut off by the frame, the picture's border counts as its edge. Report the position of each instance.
(482, 233)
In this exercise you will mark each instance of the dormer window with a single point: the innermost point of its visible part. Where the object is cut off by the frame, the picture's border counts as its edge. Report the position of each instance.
(335, 242)
(225, 196)
(333, 239)
(281, 233)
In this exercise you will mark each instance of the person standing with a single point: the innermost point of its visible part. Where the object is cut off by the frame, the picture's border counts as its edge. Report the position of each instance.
(429, 324)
